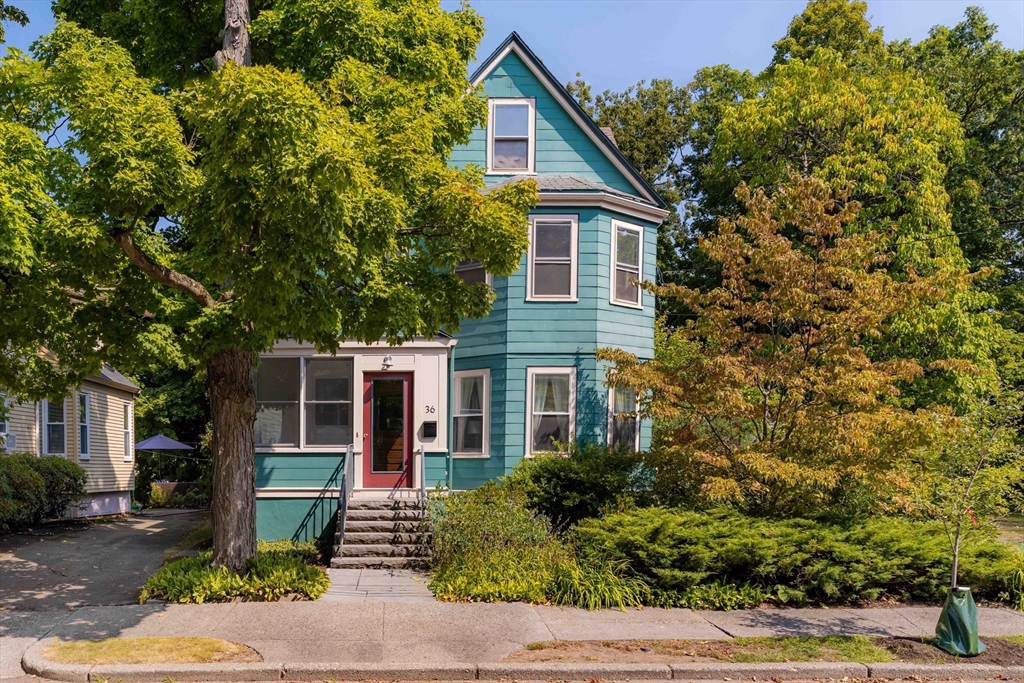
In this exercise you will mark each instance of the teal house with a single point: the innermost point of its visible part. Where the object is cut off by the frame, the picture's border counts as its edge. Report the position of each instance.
(458, 411)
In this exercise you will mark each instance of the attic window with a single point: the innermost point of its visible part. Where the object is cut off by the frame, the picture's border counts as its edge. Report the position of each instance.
(511, 136)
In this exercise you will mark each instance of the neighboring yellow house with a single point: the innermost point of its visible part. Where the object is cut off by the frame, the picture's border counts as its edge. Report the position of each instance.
(95, 427)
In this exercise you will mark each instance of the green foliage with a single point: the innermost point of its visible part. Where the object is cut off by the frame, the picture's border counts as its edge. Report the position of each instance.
(36, 488)
(22, 492)
(795, 561)
(9, 13)
(488, 546)
(194, 498)
(580, 484)
(715, 595)
(839, 25)
(279, 568)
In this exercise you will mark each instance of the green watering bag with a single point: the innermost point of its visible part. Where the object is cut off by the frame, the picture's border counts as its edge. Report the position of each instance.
(957, 629)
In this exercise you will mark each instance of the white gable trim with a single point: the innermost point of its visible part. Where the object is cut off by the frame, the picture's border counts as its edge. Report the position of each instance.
(569, 109)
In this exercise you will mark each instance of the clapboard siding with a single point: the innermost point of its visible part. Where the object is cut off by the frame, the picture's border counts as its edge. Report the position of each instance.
(21, 422)
(299, 470)
(562, 146)
(107, 468)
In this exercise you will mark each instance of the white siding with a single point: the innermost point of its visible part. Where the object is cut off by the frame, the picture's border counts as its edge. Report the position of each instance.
(106, 466)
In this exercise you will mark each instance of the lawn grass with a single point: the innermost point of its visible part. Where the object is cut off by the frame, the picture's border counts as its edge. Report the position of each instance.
(197, 539)
(149, 651)
(1016, 640)
(809, 649)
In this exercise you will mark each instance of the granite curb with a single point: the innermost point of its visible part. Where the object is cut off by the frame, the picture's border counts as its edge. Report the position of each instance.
(34, 663)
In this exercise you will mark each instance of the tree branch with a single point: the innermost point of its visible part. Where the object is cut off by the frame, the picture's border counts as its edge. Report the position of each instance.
(162, 274)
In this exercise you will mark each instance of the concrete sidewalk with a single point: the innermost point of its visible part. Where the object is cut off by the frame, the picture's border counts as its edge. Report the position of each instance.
(422, 633)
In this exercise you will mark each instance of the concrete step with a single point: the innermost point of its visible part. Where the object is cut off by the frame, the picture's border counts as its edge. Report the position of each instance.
(383, 526)
(386, 504)
(374, 538)
(383, 550)
(379, 562)
(384, 515)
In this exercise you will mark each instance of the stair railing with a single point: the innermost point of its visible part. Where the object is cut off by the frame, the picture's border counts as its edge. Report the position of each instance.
(345, 492)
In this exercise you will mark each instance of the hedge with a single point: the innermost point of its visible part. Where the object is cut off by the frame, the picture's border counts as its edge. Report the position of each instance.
(36, 488)
(685, 555)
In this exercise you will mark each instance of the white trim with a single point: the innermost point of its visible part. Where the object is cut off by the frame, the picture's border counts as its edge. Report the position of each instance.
(6, 422)
(603, 200)
(574, 256)
(300, 445)
(298, 492)
(570, 110)
(87, 423)
(531, 373)
(613, 262)
(128, 415)
(531, 143)
(611, 419)
(46, 431)
(292, 348)
(488, 278)
(486, 374)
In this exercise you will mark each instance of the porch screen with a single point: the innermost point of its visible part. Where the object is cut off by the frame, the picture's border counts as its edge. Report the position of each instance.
(328, 402)
(277, 402)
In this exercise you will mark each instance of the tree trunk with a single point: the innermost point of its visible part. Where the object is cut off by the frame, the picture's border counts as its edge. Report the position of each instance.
(233, 410)
(236, 46)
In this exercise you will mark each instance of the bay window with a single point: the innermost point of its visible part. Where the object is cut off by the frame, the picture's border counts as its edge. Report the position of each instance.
(627, 251)
(623, 419)
(552, 259)
(472, 412)
(551, 398)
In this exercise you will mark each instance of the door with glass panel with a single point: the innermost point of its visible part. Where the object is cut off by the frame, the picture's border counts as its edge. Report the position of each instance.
(387, 430)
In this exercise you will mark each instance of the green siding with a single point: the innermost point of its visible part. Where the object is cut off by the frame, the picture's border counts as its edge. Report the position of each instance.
(298, 470)
(300, 519)
(436, 469)
(562, 145)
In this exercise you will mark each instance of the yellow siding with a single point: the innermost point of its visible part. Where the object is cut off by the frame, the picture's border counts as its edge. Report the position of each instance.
(22, 423)
(106, 466)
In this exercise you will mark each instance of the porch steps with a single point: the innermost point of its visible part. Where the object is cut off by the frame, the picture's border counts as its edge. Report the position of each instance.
(383, 534)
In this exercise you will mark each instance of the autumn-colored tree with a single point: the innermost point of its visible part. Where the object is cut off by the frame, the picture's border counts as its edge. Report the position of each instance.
(776, 401)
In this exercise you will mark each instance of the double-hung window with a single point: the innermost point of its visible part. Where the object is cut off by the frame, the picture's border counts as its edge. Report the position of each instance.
(623, 419)
(511, 136)
(553, 258)
(129, 447)
(4, 406)
(627, 264)
(551, 399)
(472, 272)
(83, 426)
(304, 402)
(53, 428)
(472, 411)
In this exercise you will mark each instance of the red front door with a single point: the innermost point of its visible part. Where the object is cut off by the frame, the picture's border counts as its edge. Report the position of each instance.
(387, 430)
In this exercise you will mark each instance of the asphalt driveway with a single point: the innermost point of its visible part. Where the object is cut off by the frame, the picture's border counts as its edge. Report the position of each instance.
(102, 563)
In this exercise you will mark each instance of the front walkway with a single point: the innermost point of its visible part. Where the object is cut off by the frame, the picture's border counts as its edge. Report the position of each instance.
(392, 585)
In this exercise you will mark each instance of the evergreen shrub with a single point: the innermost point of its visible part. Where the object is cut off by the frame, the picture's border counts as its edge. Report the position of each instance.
(681, 555)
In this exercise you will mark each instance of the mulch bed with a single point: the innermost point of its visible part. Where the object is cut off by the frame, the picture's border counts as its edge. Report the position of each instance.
(1000, 652)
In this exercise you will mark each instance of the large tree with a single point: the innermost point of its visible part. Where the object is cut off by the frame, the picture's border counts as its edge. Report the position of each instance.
(221, 176)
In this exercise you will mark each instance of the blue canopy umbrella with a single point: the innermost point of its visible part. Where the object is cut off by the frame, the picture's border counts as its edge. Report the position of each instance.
(162, 443)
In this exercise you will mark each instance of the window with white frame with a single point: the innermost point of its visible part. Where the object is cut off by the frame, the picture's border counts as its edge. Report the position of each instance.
(472, 272)
(129, 447)
(324, 415)
(472, 411)
(553, 258)
(623, 419)
(511, 136)
(328, 404)
(4, 407)
(627, 263)
(83, 426)
(54, 442)
(551, 398)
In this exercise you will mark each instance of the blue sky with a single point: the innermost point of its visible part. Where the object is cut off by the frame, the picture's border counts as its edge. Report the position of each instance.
(615, 43)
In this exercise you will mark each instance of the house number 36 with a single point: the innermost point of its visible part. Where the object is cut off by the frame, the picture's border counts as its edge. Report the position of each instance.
(430, 409)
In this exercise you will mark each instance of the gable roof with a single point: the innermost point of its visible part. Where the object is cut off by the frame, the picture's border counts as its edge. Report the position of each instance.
(515, 44)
